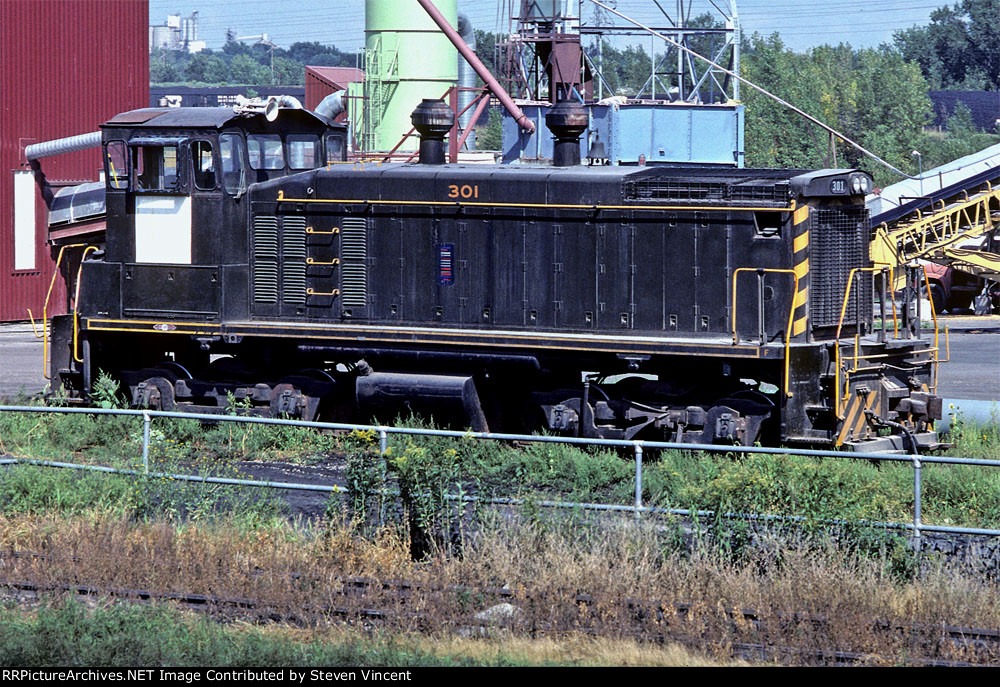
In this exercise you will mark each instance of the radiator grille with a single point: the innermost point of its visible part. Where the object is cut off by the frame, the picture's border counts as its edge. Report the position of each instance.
(354, 261)
(293, 260)
(838, 243)
(265, 259)
(673, 189)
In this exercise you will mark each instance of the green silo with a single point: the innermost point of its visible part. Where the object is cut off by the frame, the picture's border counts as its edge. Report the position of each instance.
(407, 59)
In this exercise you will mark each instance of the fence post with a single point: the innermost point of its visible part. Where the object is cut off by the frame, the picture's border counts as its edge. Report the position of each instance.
(638, 479)
(383, 446)
(146, 419)
(916, 504)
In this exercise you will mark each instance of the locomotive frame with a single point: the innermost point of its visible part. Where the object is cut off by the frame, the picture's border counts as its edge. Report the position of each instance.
(692, 304)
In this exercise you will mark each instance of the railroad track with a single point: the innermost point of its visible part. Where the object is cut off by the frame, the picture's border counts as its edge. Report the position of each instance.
(981, 646)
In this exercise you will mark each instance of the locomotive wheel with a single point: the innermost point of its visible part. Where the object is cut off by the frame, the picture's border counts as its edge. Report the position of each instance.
(305, 394)
(154, 393)
(178, 370)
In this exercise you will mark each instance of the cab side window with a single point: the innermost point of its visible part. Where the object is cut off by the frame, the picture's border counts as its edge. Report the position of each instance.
(335, 148)
(204, 165)
(233, 164)
(155, 168)
(303, 151)
(116, 157)
(265, 151)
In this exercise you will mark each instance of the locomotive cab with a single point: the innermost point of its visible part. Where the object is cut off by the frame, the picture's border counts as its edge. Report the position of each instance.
(176, 183)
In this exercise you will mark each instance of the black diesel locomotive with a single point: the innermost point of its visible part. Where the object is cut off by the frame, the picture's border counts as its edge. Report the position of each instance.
(245, 259)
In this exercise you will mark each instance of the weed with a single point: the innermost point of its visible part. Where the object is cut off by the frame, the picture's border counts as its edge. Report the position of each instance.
(106, 392)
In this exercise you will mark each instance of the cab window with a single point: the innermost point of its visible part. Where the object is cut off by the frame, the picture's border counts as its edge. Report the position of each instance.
(155, 168)
(303, 151)
(204, 165)
(233, 163)
(334, 148)
(116, 157)
(265, 151)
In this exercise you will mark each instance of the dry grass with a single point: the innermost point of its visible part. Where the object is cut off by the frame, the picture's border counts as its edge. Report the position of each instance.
(297, 573)
(567, 650)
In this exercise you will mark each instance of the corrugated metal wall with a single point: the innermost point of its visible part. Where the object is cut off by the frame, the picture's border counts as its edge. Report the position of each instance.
(66, 66)
(322, 81)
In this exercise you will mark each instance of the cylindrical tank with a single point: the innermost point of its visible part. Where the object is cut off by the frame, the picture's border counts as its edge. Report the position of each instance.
(407, 59)
(161, 37)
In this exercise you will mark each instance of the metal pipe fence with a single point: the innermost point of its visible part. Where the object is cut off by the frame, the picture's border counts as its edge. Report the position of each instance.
(917, 527)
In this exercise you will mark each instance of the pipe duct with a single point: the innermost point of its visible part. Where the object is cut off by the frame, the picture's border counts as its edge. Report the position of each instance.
(59, 146)
(466, 79)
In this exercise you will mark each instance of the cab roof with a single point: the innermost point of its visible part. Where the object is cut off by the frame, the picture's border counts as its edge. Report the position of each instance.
(208, 118)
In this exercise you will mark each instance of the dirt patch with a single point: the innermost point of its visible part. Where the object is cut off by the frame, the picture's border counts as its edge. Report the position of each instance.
(301, 503)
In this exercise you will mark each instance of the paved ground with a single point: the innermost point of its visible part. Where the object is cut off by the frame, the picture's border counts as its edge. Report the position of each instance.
(972, 373)
(20, 361)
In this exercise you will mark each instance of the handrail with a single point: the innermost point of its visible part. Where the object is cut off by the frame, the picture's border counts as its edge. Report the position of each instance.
(840, 325)
(791, 312)
(637, 446)
(45, 311)
(930, 299)
(892, 284)
(76, 302)
(856, 357)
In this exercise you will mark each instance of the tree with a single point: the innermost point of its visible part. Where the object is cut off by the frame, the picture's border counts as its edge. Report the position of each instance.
(776, 136)
(206, 67)
(490, 135)
(288, 72)
(960, 48)
(874, 97)
(321, 55)
(162, 68)
(243, 69)
(486, 49)
(960, 139)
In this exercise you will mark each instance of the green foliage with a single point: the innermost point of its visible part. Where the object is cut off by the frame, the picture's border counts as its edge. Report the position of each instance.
(106, 392)
(366, 477)
(490, 137)
(486, 50)
(243, 63)
(845, 89)
(960, 138)
(959, 48)
(36, 489)
(204, 67)
(428, 473)
(66, 632)
(974, 439)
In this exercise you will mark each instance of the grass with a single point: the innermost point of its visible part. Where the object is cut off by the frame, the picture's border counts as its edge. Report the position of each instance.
(65, 632)
(427, 469)
(543, 565)
(37, 489)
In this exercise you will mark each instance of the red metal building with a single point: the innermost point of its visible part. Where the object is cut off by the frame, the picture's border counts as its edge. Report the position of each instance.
(322, 81)
(66, 66)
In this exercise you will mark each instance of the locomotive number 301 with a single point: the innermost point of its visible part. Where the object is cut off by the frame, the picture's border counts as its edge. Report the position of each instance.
(464, 191)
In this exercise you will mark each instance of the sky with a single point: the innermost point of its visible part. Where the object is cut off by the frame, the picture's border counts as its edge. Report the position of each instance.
(801, 23)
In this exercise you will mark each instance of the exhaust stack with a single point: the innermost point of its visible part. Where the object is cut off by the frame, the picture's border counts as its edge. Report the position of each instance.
(567, 120)
(433, 120)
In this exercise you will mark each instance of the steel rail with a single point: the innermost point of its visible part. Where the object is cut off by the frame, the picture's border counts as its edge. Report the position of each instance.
(267, 611)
